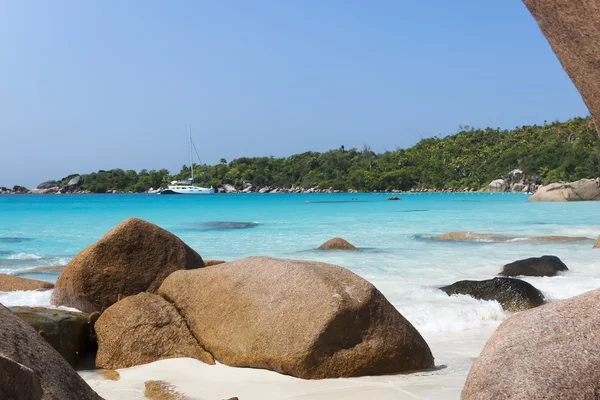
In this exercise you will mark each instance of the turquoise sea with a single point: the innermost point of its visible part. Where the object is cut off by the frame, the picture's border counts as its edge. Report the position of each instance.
(397, 253)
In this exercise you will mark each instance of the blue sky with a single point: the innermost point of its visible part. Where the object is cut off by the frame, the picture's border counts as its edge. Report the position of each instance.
(114, 84)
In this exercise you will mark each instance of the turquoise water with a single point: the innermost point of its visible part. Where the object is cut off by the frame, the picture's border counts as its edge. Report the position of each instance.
(397, 252)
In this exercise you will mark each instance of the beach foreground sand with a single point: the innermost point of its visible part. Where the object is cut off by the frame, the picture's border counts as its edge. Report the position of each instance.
(454, 352)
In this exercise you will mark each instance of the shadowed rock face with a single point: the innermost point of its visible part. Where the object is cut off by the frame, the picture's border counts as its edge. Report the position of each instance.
(534, 266)
(301, 318)
(572, 27)
(513, 294)
(18, 381)
(549, 352)
(20, 343)
(67, 332)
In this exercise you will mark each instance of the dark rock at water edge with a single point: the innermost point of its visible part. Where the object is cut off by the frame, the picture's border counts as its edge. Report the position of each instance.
(218, 225)
(70, 333)
(534, 266)
(393, 198)
(513, 294)
(20, 343)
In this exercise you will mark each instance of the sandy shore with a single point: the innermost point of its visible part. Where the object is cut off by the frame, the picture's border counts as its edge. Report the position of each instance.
(454, 353)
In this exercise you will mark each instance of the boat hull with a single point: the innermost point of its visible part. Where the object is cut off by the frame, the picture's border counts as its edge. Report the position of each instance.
(191, 190)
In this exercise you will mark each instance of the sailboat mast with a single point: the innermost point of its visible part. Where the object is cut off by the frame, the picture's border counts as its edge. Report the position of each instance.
(191, 157)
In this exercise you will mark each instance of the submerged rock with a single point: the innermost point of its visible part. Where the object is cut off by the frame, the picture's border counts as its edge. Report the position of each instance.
(134, 257)
(583, 190)
(337, 244)
(513, 294)
(18, 382)
(306, 319)
(217, 225)
(495, 238)
(534, 266)
(393, 198)
(43, 270)
(11, 283)
(69, 333)
(20, 343)
(550, 352)
(142, 329)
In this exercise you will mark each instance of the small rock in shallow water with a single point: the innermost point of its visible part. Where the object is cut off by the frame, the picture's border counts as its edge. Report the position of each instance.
(513, 294)
(337, 244)
(534, 266)
(218, 225)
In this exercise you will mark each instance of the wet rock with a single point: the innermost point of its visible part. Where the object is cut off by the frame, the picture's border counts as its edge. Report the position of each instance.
(18, 382)
(142, 329)
(513, 294)
(22, 344)
(534, 266)
(306, 319)
(67, 332)
(393, 198)
(43, 270)
(11, 283)
(549, 352)
(583, 190)
(134, 257)
(573, 31)
(337, 244)
(494, 238)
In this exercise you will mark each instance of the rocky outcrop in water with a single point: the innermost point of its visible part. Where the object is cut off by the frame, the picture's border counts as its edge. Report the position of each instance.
(582, 190)
(550, 352)
(11, 283)
(69, 333)
(20, 343)
(134, 257)
(572, 27)
(535, 266)
(513, 294)
(496, 238)
(142, 329)
(306, 319)
(337, 244)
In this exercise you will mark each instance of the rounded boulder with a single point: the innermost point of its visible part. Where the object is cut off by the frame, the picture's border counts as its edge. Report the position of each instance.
(142, 329)
(306, 319)
(535, 266)
(337, 244)
(134, 257)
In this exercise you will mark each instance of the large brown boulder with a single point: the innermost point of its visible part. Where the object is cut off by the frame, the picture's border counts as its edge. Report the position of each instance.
(572, 27)
(18, 382)
(512, 294)
(337, 244)
(582, 190)
(142, 329)
(70, 333)
(550, 352)
(134, 257)
(20, 343)
(10, 283)
(307, 319)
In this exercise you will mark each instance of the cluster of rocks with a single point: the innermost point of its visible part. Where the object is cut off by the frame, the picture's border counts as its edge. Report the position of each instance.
(513, 294)
(249, 188)
(515, 182)
(55, 187)
(582, 190)
(144, 296)
(14, 190)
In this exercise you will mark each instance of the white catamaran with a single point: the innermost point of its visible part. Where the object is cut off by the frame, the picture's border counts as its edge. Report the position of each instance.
(187, 186)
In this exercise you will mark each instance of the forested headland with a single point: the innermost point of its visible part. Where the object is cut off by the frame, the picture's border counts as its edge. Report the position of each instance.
(470, 158)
